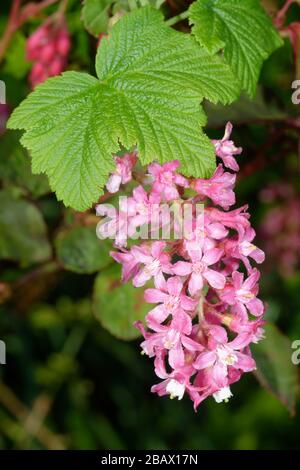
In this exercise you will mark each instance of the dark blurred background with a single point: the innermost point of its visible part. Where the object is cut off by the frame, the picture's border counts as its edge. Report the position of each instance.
(68, 382)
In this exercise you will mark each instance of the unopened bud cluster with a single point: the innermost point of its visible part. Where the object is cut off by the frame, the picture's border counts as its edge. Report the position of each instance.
(48, 48)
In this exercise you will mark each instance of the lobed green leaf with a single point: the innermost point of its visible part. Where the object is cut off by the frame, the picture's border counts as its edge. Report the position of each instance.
(151, 80)
(240, 27)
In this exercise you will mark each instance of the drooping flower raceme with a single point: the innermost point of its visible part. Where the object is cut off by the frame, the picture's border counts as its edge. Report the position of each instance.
(48, 48)
(205, 312)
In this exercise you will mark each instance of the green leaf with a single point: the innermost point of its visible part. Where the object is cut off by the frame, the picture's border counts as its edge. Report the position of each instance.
(23, 235)
(242, 28)
(68, 137)
(81, 251)
(117, 306)
(15, 167)
(244, 110)
(74, 123)
(95, 15)
(275, 369)
(16, 63)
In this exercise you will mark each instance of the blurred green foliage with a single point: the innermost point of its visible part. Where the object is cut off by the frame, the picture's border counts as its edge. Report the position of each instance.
(68, 382)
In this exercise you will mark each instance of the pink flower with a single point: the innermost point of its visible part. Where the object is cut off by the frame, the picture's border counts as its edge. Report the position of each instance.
(146, 207)
(170, 298)
(214, 230)
(174, 337)
(250, 331)
(199, 271)
(237, 219)
(130, 265)
(133, 212)
(204, 235)
(243, 248)
(225, 149)
(123, 172)
(166, 180)
(155, 262)
(220, 355)
(219, 188)
(243, 293)
(175, 383)
(120, 224)
(205, 231)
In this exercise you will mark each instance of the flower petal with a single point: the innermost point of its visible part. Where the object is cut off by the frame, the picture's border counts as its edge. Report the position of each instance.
(212, 256)
(157, 314)
(154, 296)
(215, 279)
(195, 283)
(182, 268)
(205, 359)
(174, 285)
(256, 307)
(141, 278)
(176, 356)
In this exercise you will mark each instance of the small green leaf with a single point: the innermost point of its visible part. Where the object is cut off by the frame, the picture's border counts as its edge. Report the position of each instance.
(81, 251)
(242, 28)
(74, 123)
(16, 63)
(117, 306)
(23, 235)
(95, 15)
(275, 369)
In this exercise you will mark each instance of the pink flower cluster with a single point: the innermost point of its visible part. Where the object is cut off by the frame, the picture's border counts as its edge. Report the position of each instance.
(48, 48)
(280, 227)
(206, 312)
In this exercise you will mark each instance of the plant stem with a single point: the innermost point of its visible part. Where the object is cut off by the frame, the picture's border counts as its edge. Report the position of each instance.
(177, 18)
(34, 9)
(200, 308)
(62, 8)
(9, 400)
(18, 17)
(280, 17)
(10, 28)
